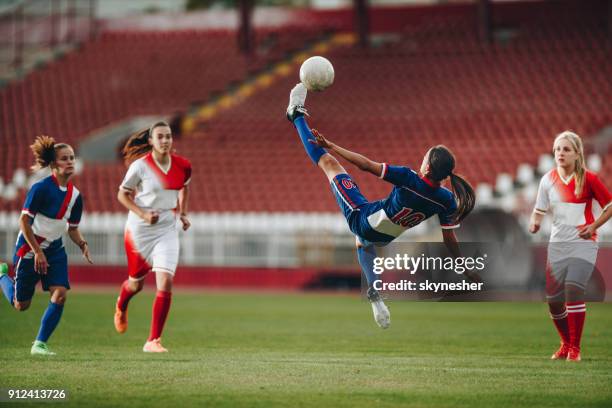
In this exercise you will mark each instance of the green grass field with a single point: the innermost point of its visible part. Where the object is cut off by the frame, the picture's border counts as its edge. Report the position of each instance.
(309, 350)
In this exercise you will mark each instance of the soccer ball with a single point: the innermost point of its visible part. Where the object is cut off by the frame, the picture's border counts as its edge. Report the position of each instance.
(317, 73)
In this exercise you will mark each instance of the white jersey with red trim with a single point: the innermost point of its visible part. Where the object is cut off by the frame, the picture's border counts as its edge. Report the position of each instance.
(155, 186)
(570, 213)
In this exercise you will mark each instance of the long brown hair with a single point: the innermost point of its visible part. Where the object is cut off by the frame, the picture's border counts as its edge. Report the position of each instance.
(44, 149)
(138, 144)
(580, 166)
(441, 166)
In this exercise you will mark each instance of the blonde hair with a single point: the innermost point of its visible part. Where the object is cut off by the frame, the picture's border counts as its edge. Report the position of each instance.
(580, 166)
(44, 149)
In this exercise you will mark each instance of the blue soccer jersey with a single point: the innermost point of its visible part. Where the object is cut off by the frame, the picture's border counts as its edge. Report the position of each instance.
(412, 200)
(52, 208)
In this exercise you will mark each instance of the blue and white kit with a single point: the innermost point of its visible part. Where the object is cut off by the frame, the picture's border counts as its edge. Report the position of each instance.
(412, 200)
(52, 208)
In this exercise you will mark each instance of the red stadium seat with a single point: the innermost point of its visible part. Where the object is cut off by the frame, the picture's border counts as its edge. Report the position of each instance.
(495, 106)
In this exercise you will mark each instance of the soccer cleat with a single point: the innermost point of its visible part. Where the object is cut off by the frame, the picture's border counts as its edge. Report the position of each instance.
(39, 348)
(573, 354)
(3, 269)
(561, 354)
(380, 310)
(297, 99)
(154, 346)
(121, 321)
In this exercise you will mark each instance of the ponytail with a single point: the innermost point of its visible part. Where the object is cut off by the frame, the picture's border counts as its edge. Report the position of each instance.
(44, 148)
(466, 199)
(138, 144)
(441, 165)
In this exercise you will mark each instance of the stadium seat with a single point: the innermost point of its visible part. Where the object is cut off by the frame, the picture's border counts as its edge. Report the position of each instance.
(496, 106)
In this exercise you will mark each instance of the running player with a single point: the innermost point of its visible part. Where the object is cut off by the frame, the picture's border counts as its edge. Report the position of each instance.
(568, 192)
(154, 190)
(51, 205)
(415, 197)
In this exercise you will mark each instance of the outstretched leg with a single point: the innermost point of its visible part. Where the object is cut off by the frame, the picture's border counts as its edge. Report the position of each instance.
(296, 114)
(347, 194)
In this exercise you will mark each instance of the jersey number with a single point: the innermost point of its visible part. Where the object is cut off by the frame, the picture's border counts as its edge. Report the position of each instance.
(408, 218)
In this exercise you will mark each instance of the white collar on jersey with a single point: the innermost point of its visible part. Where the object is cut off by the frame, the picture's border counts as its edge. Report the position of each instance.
(567, 180)
(158, 164)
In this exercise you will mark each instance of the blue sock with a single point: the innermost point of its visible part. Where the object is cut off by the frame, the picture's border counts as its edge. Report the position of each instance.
(366, 257)
(49, 321)
(8, 288)
(314, 152)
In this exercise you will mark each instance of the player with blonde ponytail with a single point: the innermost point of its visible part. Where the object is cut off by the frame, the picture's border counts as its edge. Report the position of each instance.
(567, 192)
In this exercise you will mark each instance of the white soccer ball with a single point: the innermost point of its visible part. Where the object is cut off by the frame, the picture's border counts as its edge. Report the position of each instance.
(317, 73)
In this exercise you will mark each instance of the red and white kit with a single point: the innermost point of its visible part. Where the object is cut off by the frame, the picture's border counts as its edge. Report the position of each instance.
(556, 195)
(156, 188)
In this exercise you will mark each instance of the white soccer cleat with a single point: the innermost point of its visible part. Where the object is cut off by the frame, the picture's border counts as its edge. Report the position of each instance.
(382, 317)
(154, 346)
(381, 314)
(297, 99)
(40, 348)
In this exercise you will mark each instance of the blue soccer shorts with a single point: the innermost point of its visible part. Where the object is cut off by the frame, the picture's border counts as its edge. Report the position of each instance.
(26, 277)
(347, 194)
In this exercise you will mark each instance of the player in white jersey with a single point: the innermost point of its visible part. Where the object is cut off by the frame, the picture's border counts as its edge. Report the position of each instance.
(154, 190)
(568, 192)
(52, 206)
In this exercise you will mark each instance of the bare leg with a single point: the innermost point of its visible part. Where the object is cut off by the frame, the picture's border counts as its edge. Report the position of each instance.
(330, 166)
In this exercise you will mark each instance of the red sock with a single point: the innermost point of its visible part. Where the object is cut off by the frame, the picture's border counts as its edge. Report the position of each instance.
(576, 313)
(124, 296)
(561, 324)
(161, 306)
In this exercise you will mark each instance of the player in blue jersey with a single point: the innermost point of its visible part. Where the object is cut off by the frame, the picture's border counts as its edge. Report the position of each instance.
(52, 205)
(415, 197)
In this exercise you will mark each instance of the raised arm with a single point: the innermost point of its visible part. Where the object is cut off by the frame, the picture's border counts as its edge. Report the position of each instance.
(359, 160)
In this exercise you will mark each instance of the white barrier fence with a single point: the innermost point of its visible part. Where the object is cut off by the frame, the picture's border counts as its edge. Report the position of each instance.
(271, 240)
(241, 239)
